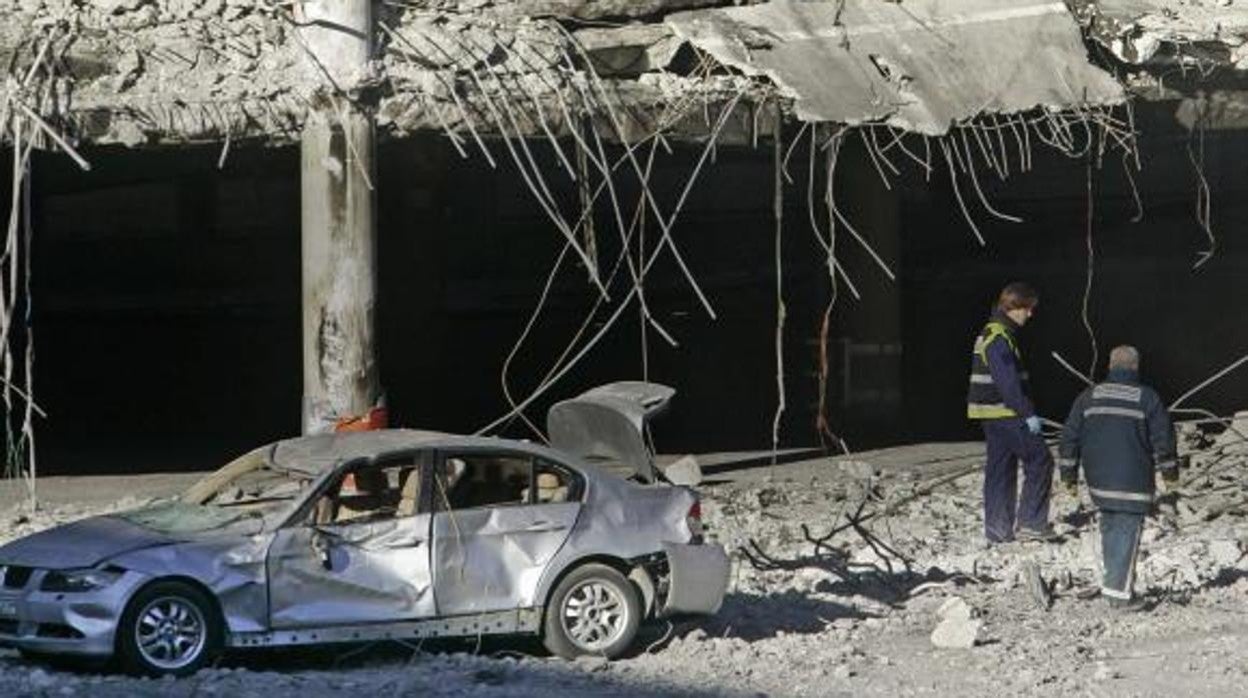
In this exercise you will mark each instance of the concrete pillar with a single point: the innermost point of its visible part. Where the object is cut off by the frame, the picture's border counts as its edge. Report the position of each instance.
(341, 384)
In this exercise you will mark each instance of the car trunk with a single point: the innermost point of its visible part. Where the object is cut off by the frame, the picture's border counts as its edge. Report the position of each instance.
(607, 426)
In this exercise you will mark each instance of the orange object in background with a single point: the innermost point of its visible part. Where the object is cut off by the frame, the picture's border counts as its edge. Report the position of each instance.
(377, 418)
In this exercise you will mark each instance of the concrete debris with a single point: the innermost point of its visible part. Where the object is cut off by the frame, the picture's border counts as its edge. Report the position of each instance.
(240, 68)
(630, 50)
(857, 469)
(1104, 672)
(1225, 552)
(832, 618)
(914, 65)
(1194, 32)
(684, 471)
(958, 628)
(1036, 586)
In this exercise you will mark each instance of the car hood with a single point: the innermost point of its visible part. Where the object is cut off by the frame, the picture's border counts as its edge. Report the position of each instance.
(606, 426)
(83, 543)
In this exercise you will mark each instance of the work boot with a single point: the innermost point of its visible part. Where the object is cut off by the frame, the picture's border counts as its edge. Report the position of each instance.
(1044, 535)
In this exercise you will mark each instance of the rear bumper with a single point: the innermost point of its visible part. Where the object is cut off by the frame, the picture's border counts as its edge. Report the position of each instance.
(82, 624)
(698, 581)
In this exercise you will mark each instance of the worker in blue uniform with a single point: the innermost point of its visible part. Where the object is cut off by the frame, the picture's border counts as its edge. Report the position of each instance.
(1121, 433)
(998, 398)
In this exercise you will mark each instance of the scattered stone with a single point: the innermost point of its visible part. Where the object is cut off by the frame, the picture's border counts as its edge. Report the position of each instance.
(1225, 553)
(41, 679)
(592, 663)
(1036, 586)
(857, 469)
(1105, 672)
(958, 628)
(685, 471)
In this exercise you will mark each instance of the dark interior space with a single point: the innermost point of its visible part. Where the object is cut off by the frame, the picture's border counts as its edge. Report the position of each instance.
(166, 294)
(1145, 290)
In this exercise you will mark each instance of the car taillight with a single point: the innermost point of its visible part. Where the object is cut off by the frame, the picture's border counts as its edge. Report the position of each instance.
(693, 520)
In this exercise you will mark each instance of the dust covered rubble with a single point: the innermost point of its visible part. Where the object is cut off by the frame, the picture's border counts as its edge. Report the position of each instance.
(857, 614)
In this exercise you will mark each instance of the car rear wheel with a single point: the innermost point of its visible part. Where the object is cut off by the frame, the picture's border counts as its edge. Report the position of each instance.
(595, 610)
(168, 629)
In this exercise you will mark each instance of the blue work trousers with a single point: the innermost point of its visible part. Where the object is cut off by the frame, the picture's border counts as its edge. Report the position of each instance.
(1120, 547)
(1010, 443)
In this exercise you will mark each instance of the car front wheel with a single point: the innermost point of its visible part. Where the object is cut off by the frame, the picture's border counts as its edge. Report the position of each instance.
(168, 629)
(595, 610)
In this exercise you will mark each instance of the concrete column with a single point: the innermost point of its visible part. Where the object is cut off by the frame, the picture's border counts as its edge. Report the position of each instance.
(340, 373)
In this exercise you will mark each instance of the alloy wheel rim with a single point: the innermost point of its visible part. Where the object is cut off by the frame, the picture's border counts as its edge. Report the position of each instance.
(594, 615)
(170, 632)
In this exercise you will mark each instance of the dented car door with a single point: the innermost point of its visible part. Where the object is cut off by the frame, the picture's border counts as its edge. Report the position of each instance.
(354, 565)
(499, 520)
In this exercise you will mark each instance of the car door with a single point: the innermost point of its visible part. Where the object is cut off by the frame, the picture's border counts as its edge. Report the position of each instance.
(495, 529)
(359, 554)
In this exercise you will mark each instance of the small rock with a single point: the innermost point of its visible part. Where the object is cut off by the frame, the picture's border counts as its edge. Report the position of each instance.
(685, 471)
(592, 663)
(857, 469)
(1225, 553)
(955, 608)
(958, 628)
(956, 633)
(1104, 672)
(41, 679)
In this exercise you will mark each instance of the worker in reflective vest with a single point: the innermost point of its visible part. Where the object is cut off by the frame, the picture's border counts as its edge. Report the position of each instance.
(1121, 433)
(998, 399)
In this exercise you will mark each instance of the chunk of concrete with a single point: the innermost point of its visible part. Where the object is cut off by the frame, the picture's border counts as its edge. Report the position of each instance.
(958, 627)
(684, 471)
(958, 634)
(955, 608)
(1225, 553)
(1036, 586)
(857, 469)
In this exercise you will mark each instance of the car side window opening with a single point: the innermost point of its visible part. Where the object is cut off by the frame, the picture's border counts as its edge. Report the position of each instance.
(376, 492)
(552, 485)
(469, 481)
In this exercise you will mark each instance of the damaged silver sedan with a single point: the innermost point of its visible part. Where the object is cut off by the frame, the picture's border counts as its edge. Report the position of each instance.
(394, 534)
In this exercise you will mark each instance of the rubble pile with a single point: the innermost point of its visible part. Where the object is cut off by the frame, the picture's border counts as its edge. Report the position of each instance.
(865, 576)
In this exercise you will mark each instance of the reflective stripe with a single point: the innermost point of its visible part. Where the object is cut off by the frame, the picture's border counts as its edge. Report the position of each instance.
(1135, 554)
(994, 411)
(990, 332)
(1126, 496)
(986, 378)
(1114, 411)
(1168, 464)
(1114, 593)
(1067, 462)
(1117, 391)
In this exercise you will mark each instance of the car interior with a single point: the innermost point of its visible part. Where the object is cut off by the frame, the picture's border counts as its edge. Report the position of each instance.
(373, 493)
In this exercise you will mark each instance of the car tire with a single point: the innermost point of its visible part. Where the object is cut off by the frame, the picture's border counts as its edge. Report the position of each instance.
(169, 628)
(593, 611)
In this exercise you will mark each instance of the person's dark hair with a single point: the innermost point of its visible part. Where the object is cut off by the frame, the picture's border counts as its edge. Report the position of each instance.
(1018, 294)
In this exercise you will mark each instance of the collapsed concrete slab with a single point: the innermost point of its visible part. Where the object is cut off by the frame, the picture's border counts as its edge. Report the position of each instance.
(917, 65)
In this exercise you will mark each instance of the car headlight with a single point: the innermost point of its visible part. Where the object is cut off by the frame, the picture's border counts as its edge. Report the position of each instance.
(79, 580)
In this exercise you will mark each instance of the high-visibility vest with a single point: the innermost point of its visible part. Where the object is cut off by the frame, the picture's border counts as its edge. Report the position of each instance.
(983, 399)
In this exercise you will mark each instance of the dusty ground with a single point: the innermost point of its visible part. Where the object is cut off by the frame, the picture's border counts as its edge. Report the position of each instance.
(833, 623)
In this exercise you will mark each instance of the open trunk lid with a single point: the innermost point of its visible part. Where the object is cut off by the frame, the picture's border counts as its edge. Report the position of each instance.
(606, 426)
